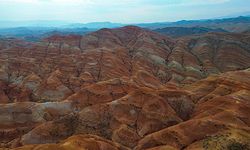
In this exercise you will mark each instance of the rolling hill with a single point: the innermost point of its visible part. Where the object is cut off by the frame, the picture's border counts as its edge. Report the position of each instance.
(125, 88)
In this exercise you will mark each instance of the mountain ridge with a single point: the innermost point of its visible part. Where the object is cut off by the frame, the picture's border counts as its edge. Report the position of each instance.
(186, 31)
(125, 88)
(36, 33)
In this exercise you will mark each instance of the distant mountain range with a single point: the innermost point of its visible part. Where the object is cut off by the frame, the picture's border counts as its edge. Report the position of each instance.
(236, 24)
(36, 33)
(35, 30)
(98, 25)
(186, 31)
(235, 15)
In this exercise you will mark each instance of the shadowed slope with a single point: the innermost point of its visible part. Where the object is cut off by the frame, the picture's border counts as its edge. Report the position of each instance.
(127, 85)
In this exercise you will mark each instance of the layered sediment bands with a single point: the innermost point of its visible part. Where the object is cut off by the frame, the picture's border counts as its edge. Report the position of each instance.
(220, 120)
(125, 88)
(84, 142)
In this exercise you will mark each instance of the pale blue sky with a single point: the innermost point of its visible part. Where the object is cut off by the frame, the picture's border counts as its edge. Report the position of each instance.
(122, 11)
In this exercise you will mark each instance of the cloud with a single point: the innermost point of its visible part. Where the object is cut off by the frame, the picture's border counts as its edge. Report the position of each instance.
(118, 10)
(118, 2)
(18, 1)
(204, 2)
(182, 2)
(58, 2)
(70, 1)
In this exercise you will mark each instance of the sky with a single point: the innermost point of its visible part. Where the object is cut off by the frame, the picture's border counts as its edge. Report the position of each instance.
(120, 11)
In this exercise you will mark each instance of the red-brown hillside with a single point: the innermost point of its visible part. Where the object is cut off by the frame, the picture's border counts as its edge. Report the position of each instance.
(125, 88)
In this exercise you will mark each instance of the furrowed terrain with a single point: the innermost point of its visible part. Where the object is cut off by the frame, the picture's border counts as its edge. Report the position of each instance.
(125, 88)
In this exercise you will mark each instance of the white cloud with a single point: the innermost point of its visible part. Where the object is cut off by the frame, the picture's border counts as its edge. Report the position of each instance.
(70, 1)
(201, 2)
(18, 1)
(118, 2)
(116, 10)
(48, 1)
(212, 1)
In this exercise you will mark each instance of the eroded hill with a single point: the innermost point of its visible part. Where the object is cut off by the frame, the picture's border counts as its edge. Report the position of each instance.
(125, 88)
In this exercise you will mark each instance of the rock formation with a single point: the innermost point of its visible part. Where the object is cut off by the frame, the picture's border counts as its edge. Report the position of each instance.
(125, 88)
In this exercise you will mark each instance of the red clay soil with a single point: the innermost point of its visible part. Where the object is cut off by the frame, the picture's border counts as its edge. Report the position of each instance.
(125, 88)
